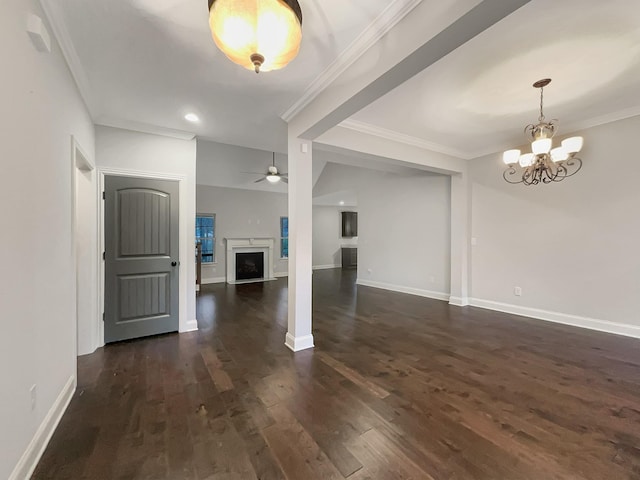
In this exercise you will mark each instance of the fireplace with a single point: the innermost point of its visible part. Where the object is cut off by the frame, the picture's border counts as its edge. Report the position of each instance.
(250, 259)
(249, 265)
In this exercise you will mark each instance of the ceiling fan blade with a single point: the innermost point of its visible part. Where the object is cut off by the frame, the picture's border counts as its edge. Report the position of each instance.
(284, 179)
(283, 175)
(260, 180)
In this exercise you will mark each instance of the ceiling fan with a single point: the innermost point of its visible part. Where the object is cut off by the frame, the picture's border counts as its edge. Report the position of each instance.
(273, 175)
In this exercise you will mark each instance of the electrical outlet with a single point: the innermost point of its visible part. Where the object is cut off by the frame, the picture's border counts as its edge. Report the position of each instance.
(517, 291)
(369, 271)
(474, 241)
(33, 392)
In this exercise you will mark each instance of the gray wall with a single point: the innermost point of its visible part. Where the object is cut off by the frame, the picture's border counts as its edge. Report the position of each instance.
(572, 246)
(241, 214)
(41, 110)
(327, 240)
(404, 233)
(403, 226)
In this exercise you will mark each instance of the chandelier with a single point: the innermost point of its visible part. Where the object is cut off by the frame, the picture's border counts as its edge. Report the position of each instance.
(544, 164)
(260, 35)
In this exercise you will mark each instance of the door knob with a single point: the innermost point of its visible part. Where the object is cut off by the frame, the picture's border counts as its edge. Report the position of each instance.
(173, 264)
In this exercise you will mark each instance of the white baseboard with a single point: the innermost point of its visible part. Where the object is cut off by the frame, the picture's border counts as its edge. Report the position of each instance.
(190, 326)
(207, 281)
(298, 343)
(281, 274)
(402, 289)
(326, 267)
(459, 301)
(29, 460)
(563, 318)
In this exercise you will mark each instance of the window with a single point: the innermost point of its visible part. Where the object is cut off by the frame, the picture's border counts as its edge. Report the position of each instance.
(206, 234)
(284, 237)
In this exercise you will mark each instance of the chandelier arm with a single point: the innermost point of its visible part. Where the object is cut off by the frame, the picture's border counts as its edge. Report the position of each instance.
(571, 162)
(553, 171)
(511, 171)
(562, 171)
(529, 176)
(528, 131)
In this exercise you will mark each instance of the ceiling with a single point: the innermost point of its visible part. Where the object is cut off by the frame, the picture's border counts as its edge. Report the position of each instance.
(149, 62)
(146, 63)
(478, 99)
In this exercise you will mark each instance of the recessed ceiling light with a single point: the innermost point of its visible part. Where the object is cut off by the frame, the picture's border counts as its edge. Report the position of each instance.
(191, 117)
(341, 202)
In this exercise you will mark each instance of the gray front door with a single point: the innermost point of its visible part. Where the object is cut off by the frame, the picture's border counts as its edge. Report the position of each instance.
(141, 257)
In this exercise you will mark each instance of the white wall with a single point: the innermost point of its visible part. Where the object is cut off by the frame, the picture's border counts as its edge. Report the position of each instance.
(327, 239)
(130, 152)
(404, 234)
(241, 214)
(572, 246)
(41, 110)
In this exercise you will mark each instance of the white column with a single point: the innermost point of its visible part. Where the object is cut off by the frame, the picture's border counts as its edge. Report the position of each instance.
(299, 335)
(460, 228)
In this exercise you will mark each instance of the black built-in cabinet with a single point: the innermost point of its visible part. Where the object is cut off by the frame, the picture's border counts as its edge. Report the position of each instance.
(349, 224)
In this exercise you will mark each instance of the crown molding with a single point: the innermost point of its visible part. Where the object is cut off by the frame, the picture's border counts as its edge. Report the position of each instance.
(391, 15)
(61, 33)
(603, 119)
(394, 136)
(113, 122)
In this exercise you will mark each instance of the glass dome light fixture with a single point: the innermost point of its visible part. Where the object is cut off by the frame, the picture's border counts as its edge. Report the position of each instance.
(260, 35)
(544, 164)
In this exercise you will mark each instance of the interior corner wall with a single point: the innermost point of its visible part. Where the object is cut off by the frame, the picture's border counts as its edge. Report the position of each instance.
(135, 152)
(404, 234)
(241, 214)
(327, 236)
(41, 110)
(571, 246)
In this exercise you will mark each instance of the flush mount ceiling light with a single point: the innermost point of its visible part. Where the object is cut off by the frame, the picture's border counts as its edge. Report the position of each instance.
(543, 164)
(191, 117)
(260, 35)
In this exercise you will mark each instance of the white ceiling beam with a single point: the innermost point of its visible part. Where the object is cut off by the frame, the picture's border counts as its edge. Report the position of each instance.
(394, 58)
(391, 151)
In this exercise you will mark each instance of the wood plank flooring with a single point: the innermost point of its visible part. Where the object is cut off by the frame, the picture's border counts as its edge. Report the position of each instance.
(398, 387)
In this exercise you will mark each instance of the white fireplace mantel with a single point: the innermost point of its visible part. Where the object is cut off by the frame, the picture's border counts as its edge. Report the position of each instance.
(250, 245)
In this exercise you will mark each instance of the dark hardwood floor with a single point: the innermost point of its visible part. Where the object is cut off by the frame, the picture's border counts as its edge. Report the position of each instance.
(398, 387)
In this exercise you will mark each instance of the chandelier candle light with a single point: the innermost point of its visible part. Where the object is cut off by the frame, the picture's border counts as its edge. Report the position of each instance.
(260, 35)
(544, 164)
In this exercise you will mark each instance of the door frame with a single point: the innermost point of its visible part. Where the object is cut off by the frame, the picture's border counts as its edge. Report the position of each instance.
(80, 162)
(184, 323)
